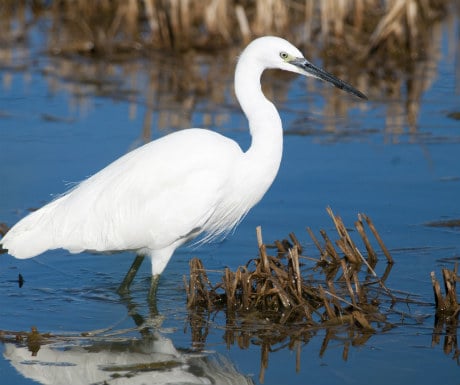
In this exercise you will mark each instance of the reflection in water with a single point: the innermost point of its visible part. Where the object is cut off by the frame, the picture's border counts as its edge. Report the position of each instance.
(116, 357)
(393, 58)
(152, 360)
(447, 327)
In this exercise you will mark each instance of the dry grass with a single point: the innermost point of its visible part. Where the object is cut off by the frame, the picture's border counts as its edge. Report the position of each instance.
(388, 48)
(285, 298)
(101, 26)
(274, 287)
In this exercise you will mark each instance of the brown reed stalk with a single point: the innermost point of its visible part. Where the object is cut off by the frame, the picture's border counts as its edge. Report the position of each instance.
(262, 250)
(330, 247)
(346, 276)
(449, 277)
(322, 252)
(378, 238)
(371, 255)
(446, 305)
(296, 243)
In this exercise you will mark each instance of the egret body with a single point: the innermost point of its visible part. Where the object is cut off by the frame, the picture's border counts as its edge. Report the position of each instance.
(189, 183)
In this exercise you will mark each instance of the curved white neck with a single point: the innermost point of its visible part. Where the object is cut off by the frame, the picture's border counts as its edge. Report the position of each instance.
(264, 154)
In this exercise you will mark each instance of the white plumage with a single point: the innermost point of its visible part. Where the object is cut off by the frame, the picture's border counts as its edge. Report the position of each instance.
(167, 192)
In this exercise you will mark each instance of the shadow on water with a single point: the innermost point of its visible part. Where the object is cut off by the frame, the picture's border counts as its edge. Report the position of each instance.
(395, 55)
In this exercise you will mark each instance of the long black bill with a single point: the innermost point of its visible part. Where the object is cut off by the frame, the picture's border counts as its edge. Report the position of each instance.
(319, 73)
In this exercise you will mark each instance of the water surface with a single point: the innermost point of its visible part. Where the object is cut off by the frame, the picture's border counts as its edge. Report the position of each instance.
(62, 119)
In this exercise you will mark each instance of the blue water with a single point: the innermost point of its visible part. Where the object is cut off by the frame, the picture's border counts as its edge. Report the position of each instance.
(56, 130)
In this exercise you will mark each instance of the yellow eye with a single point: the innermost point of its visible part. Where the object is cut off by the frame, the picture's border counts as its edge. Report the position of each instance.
(284, 55)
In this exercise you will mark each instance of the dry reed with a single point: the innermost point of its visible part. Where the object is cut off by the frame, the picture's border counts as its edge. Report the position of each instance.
(95, 26)
(386, 48)
(447, 312)
(285, 298)
(275, 287)
(290, 296)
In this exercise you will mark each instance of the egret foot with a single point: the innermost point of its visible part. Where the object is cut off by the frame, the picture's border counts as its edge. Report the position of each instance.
(124, 287)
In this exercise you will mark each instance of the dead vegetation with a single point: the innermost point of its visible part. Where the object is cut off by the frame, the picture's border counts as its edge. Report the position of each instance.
(286, 298)
(274, 287)
(106, 26)
(446, 306)
(388, 48)
(447, 312)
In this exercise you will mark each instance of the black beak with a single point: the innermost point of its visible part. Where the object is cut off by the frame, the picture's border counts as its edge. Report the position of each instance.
(319, 73)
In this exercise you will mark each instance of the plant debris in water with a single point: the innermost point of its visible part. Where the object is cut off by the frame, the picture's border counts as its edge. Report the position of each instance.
(274, 288)
(447, 312)
(283, 300)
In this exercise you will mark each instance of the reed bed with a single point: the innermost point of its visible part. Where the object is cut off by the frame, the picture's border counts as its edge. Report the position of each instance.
(387, 48)
(273, 287)
(102, 26)
(283, 298)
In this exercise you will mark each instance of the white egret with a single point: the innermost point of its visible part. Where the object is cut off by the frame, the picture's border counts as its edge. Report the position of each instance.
(189, 183)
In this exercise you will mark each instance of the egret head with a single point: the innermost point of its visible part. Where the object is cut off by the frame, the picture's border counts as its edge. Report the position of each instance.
(274, 52)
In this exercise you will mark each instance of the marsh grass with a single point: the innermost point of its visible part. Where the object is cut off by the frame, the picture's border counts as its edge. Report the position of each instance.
(286, 297)
(274, 286)
(106, 25)
(389, 49)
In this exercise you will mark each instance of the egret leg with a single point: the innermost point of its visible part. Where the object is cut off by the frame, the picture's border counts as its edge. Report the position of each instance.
(124, 287)
(152, 298)
(153, 288)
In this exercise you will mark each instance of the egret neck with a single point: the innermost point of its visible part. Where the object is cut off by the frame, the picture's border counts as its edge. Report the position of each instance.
(263, 157)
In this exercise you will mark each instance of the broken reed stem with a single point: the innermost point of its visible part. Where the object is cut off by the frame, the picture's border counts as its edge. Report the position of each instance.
(359, 292)
(347, 281)
(334, 297)
(262, 250)
(448, 304)
(322, 253)
(372, 256)
(196, 290)
(346, 240)
(341, 299)
(296, 242)
(449, 287)
(294, 255)
(377, 237)
(280, 247)
(330, 313)
(330, 247)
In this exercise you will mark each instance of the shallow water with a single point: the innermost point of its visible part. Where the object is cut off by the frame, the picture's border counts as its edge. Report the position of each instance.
(61, 120)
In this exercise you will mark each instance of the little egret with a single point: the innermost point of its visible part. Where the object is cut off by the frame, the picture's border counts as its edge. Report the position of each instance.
(189, 183)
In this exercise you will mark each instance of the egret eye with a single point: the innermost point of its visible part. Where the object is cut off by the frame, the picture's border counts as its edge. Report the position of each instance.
(284, 55)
